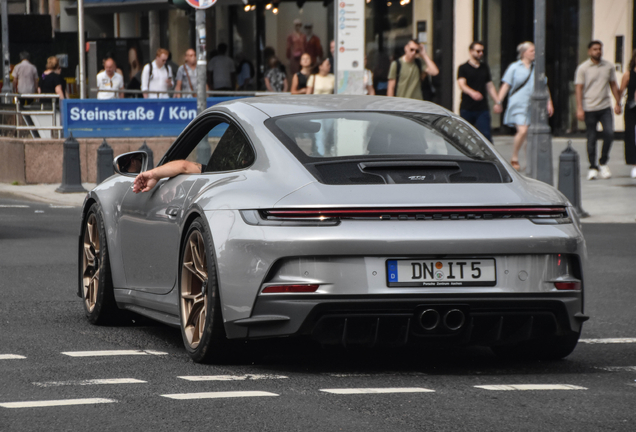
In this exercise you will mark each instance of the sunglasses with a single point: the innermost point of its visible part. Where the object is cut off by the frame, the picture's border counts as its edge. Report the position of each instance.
(415, 50)
(479, 51)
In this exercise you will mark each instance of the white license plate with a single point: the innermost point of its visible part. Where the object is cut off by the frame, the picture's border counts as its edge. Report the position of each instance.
(441, 273)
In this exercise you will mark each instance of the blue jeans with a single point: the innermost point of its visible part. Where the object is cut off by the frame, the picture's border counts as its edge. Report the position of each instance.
(479, 119)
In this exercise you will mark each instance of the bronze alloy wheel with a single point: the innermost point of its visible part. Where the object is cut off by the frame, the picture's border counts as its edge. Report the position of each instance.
(91, 263)
(194, 296)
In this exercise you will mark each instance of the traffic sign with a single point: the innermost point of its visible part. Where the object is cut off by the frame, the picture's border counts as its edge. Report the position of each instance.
(201, 4)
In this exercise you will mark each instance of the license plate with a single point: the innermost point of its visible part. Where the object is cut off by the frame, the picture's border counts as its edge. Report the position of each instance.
(441, 273)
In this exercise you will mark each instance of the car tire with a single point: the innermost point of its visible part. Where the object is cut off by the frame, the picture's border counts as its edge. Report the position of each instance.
(199, 302)
(95, 278)
(553, 348)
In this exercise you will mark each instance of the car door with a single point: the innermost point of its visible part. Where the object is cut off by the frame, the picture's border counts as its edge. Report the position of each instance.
(150, 223)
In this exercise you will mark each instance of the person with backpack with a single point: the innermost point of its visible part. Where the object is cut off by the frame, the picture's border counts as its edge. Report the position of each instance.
(157, 76)
(410, 73)
(187, 77)
(519, 81)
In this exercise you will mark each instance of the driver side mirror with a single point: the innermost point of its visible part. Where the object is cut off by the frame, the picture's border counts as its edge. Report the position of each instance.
(131, 164)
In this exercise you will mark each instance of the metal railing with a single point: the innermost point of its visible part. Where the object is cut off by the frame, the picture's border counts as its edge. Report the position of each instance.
(188, 93)
(19, 112)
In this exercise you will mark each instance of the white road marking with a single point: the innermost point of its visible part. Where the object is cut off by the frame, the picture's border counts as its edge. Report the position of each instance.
(531, 387)
(230, 377)
(218, 395)
(608, 341)
(90, 382)
(60, 206)
(39, 211)
(50, 403)
(377, 390)
(14, 206)
(111, 353)
(11, 357)
(618, 368)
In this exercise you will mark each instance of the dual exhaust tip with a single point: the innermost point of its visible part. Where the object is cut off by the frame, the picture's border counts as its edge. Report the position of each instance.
(430, 319)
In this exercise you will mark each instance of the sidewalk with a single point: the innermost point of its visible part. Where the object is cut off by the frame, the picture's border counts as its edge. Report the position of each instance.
(612, 200)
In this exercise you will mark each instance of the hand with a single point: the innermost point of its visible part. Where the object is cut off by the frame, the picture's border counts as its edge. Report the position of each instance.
(144, 182)
(580, 115)
(618, 109)
(498, 109)
(550, 108)
(476, 95)
(423, 50)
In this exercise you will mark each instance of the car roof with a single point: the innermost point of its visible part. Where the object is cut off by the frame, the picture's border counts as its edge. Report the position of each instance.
(275, 106)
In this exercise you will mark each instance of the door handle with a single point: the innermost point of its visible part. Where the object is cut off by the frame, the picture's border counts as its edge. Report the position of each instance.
(172, 211)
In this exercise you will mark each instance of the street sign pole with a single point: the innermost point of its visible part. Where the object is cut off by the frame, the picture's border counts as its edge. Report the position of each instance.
(201, 63)
(539, 136)
(82, 49)
(6, 61)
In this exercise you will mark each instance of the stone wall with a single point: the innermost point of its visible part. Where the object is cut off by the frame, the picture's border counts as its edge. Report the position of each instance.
(34, 161)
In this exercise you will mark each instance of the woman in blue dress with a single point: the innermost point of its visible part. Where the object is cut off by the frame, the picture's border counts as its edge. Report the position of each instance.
(519, 81)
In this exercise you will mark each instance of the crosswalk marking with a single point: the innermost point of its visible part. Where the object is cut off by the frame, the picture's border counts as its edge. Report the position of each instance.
(531, 387)
(11, 357)
(218, 395)
(90, 382)
(618, 368)
(231, 377)
(377, 390)
(13, 206)
(111, 353)
(608, 341)
(50, 403)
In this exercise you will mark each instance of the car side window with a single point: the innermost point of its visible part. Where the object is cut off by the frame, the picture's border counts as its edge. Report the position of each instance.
(232, 152)
(206, 146)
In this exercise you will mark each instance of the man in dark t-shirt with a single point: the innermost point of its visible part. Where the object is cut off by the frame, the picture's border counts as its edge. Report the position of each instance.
(475, 81)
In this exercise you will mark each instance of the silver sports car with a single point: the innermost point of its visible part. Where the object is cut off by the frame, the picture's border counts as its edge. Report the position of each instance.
(358, 221)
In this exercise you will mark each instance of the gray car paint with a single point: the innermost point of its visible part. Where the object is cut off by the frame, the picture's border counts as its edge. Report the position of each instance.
(245, 253)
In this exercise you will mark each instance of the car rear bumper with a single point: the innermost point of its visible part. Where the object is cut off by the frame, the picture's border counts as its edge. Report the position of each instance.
(487, 320)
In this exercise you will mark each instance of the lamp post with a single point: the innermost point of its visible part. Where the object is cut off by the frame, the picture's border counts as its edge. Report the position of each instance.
(539, 134)
(6, 61)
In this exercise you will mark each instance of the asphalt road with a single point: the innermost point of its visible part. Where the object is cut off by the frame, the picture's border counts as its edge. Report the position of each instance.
(41, 318)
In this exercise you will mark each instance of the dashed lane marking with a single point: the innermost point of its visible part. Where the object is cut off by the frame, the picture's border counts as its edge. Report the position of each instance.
(111, 353)
(619, 368)
(90, 382)
(608, 341)
(231, 377)
(61, 206)
(14, 206)
(218, 395)
(377, 390)
(51, 403)
(11, 357)
(531, 387)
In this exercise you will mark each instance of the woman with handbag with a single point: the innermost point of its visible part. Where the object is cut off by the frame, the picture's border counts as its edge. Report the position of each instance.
(629, 82)
(519, 80)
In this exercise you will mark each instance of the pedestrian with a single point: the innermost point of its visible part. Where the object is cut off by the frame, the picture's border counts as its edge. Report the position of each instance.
(157, 76)
(367, 80)
(518, 85)
(187, 77)
(50, 81)
(300, 78)
(332, 53)
(134, 71)
(295, 46)
(245, 72)
(312, 44)
(408, 72)
(323, 82)
(475, 81)
(109, 79)
(222, 70)
(275, 79)
(25, 76)
(629, 83)
(593, 80)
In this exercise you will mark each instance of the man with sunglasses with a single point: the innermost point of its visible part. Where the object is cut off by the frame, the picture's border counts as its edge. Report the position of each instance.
(475, 81)
(408, 72)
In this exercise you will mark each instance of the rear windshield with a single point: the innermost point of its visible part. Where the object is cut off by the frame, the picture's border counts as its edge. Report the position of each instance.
(346, 134)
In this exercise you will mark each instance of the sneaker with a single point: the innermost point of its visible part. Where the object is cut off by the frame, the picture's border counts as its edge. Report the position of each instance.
(633, 174)
(605, 172)
(592, 174)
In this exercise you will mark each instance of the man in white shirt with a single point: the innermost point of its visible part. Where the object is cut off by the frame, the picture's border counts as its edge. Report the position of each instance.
(109, 79)
(222, 70)
(157, 76)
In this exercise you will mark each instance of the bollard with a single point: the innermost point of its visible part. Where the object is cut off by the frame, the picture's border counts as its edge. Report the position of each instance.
(570, 178)
(71, 171)
(148, 150)
(104, 162)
